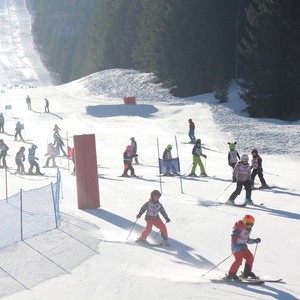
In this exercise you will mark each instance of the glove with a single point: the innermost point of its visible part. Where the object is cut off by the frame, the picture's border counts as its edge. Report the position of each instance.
(237, 247)
(258, 240)
(204, 155)
(168, 220)
(138, 216)
(37, 158)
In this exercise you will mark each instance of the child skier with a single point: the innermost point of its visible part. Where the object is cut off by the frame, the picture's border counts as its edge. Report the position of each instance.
(52, 153)
(257, 169)
(19, 159)
(197, 153)
(127, 160)
(152, 208)
(134, 149)
(240, 237)
(3, 152)
(168, 162)
(33, 161)
(242, 173)
(192, 131)
(18, 130)
(233, 157)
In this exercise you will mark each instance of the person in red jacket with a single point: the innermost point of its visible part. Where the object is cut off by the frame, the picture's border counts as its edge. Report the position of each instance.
(240, 237)
(127, 160)
(152, 208)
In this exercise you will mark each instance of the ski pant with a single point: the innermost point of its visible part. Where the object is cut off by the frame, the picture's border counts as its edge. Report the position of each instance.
(158, 223)
(3, 157)
(51, 157)
(20, 167)
(192, 136)
(128, 166)
(260, 176)
(33, 163)
(239, 256)
(18, 133)
(197, 161)
(239, 186)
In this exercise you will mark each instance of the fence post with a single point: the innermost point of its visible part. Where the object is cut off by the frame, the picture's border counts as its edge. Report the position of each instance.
(21, 213)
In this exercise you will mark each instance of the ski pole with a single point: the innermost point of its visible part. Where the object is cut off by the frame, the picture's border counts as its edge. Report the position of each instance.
(255, 250)
(271, 174)
(131, 229)
(224, 190)
(217, 264)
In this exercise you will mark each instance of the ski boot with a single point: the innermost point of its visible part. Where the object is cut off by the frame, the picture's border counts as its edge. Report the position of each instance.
(232, 276)
(248, 273)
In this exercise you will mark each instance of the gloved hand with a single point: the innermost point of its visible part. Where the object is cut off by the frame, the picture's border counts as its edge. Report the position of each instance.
(37, 158)
(138, 216)
(168, 220)
(237, 247)
(205, 156)
(257, 240)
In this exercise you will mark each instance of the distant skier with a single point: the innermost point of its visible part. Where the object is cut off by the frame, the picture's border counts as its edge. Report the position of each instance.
(58, 144)
(197, 153)
(168, 161)
(33, 161)
(28, 102)
(152, 208)
(18, 131)
(19, 159)
(257, 169)
(3, 152)
(242, 173)
(1, 123)
(233, 157)
(134, 149)
(192, 131)
(127, 160)
(52, 154)
(240, 237)
(56, 131)
(47, 110)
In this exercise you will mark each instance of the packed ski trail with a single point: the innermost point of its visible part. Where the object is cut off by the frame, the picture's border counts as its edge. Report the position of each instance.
(89, 256)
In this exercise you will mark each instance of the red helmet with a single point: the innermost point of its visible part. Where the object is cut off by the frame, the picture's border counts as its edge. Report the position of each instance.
(248, 220)
(128, 148)
(155, 192)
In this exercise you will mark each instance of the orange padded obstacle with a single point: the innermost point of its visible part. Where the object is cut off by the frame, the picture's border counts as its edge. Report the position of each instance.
(86, 171)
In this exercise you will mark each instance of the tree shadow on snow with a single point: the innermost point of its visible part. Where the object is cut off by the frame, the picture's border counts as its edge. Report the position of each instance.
(102, 111)
(177, 249)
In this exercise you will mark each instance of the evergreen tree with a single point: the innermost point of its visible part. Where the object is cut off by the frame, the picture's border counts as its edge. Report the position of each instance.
(270, 57)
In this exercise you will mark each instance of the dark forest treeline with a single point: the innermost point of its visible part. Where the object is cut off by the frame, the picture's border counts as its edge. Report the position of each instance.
(193, 46)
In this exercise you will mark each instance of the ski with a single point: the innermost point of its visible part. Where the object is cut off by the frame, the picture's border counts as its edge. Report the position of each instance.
(148, 244)
(137, 176)
(240, 281)
(271, 280)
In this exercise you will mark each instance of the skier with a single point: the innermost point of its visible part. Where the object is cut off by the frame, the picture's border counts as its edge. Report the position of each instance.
(47, 110)
(1, 123)
(19, 159)
(28, 102)
(242, 173)
(52, 153)
(197, 153)
(56, 130)
(240, 237)
(192, 131)
(58, 144)
(33, 161)
(152, 208)
(233, 157)
(18, 130)
(127, 160)
(257, 169)
(3, 152)
(134, 149)
(168, 162)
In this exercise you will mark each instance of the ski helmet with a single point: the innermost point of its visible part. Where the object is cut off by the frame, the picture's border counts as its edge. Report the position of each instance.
(34, 146)
(190, 120)
(232, 146)
(155, 192)
(245, 157)
(198, 141)
(128, 148)
(132, 138)
(248, 220)
(1, 141)
(22, 148)
(169, 147)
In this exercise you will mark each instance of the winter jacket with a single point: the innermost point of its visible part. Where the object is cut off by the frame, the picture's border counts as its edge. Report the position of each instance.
(134, 147)
(152, 209)
(197, 150)
(20, 156)
(31, 154)
(233, 157)
(167, 155)
(127, 157)
(257, 162)
(242, 172)
(192, 126)
(240, 237)
(3, 148)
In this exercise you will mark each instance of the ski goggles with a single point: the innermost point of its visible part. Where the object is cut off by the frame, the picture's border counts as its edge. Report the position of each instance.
(249, 224)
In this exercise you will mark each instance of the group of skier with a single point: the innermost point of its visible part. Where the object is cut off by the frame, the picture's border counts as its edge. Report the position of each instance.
(28, 102)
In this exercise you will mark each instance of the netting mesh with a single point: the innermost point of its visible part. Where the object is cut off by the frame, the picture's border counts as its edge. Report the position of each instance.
(29, 213)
